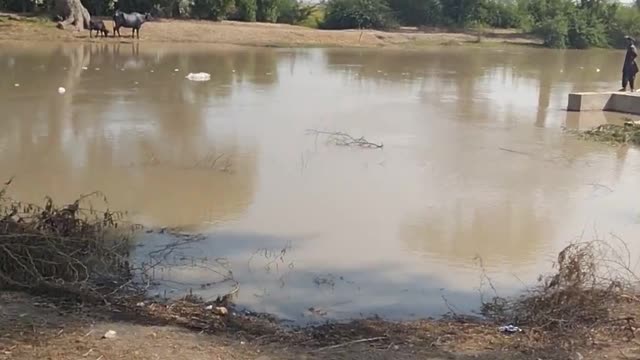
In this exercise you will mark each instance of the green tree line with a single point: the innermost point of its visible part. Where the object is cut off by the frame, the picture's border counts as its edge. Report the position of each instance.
(560, 23)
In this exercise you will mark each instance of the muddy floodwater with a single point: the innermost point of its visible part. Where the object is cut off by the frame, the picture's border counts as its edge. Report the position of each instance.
(475, 165)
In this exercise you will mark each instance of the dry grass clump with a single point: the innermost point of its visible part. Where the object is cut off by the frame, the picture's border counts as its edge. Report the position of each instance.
(612, 133)
(70, 249)
(591, 278)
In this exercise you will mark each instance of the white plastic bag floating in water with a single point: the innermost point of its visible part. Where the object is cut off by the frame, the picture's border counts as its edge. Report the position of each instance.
(61, 90)
(202, 76)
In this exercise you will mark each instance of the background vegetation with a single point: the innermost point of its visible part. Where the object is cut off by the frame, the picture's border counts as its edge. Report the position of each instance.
(560, 23)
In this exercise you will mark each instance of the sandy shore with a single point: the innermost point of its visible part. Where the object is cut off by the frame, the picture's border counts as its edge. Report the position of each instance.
(258, 34)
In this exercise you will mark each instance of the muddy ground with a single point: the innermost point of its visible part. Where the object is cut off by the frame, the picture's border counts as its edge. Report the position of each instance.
(37, 328)
(257, 34)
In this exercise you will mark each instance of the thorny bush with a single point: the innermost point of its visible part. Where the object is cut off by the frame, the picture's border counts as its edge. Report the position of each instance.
(70, 248)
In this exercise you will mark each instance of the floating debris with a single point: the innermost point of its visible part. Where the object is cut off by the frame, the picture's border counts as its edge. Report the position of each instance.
(612, 133)
(16, 85)
(202, 76)
(61, 90)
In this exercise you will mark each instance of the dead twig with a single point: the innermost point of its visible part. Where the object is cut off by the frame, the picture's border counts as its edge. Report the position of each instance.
(596, 185)
(514, 151)
(349, 343)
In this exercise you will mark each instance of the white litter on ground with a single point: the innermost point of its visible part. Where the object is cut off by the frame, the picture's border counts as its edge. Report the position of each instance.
(61, 90)
(202, 76)
(16, 85)
(85, 68)
(109, 335)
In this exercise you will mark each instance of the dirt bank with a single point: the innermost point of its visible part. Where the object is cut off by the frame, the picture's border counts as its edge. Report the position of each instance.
(38, 328)
(257, 34)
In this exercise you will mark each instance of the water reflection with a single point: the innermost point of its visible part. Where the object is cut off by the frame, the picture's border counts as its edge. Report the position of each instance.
(485, 84)
(131, 126)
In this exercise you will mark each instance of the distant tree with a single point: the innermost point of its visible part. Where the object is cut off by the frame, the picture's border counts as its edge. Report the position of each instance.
(357, 14)
(267, 10)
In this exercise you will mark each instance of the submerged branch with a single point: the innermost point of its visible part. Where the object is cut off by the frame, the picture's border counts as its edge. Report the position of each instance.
(343, 139)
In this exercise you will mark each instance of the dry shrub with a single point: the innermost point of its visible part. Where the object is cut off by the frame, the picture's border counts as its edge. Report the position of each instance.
(69, 248)
(590, 278)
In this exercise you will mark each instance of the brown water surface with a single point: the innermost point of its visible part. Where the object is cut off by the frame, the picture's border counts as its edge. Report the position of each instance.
(475, 163)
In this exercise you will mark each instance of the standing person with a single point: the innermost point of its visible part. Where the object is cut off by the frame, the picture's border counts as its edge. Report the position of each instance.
(630, 68)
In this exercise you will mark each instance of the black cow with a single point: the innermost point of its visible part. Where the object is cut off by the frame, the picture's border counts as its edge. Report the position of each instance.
(133, 21)
(99, 27)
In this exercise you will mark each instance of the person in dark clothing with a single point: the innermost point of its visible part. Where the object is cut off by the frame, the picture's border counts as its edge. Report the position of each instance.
(630, 68)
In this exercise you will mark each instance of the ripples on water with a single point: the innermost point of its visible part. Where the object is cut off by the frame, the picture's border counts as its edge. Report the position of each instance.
(474, 163)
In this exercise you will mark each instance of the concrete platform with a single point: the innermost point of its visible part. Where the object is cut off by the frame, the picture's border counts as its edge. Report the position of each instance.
(623, 102)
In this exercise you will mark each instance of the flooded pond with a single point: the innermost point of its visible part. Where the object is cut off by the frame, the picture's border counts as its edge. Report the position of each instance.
(475, 164)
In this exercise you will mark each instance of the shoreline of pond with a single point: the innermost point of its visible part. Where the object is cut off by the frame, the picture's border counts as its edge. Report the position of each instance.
(22, 28)
(44, 327)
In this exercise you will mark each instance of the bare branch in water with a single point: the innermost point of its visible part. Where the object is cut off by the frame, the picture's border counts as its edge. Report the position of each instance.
(343, 139)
